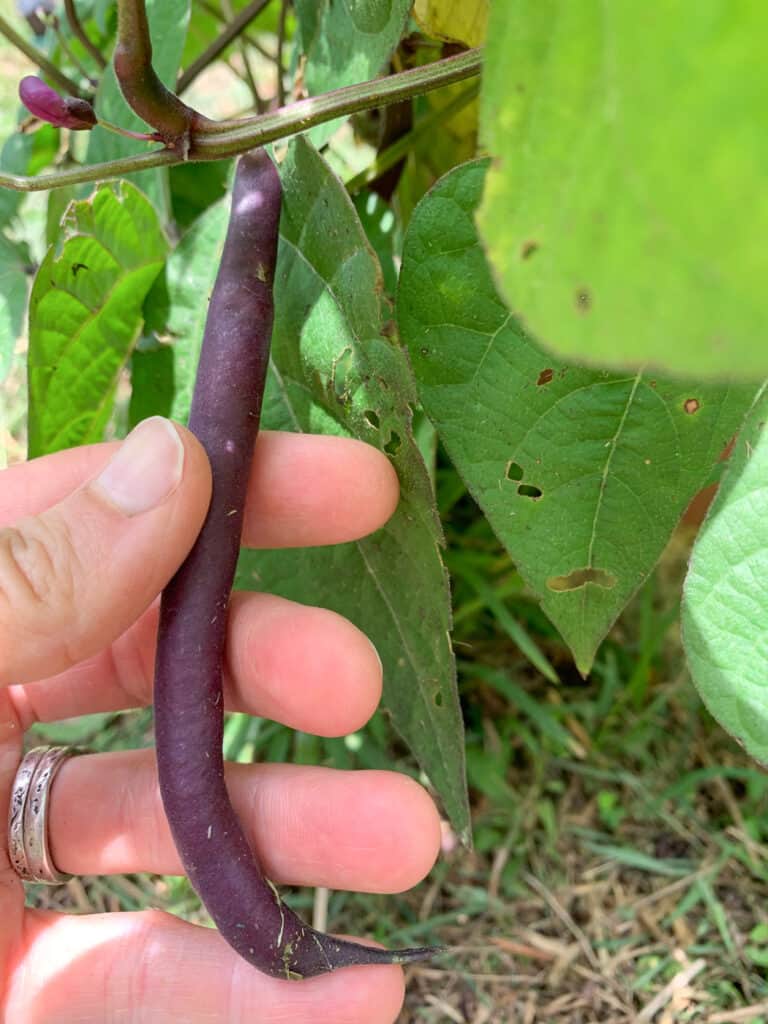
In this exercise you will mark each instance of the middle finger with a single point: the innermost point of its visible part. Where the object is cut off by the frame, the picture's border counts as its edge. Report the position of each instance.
(368, 830)
(306, 667)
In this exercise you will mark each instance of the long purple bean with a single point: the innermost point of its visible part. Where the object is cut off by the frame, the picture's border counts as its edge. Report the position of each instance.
(189, 711)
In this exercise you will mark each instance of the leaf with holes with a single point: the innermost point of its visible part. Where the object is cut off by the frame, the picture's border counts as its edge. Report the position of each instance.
(332, 373)
(346, 43)
(85, 314)
(626, 210)
(342, 378)
(583, 474)
(726, 593)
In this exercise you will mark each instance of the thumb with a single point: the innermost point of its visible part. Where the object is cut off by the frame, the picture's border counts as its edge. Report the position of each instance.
(77, 576)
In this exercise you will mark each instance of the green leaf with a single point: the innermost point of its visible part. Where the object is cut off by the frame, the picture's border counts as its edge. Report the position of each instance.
(177, 307)
(379, 224)
(726, 592)
(332, 373)
(195, 187)
(346, 43)
(583, 474)
(85, 313)
(626, 210)
(463, 21)
(14, 283)
(25, 154)
(168, 21)
(152, 381)
(74, 731)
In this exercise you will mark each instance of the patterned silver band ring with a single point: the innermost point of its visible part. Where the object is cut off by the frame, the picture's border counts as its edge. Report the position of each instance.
(28, 815)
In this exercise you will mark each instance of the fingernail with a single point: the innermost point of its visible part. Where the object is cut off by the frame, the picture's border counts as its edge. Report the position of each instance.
(378, 656)
(145, 470)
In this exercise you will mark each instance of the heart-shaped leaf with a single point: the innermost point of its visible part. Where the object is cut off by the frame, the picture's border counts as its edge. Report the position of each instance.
(582, 473)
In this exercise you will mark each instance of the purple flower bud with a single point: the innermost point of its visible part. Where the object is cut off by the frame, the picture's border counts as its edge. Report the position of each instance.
(63, 111)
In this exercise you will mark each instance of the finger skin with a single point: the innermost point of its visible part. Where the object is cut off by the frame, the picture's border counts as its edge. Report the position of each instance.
(295, 489)
(304, 489)
(369, 831)
(149, 966)
(75, 577)
(306, 667)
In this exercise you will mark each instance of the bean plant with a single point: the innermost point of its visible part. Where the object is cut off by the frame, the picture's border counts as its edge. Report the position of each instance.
(531, 234)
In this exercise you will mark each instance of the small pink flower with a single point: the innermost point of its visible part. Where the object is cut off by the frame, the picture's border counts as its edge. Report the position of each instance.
(63, 111)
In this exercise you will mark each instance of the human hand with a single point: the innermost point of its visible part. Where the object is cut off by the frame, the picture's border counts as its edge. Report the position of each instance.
(78, 617)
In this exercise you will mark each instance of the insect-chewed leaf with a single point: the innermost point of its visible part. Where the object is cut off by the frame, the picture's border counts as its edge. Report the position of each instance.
(582, 473)
(86, 312)
(331, 372)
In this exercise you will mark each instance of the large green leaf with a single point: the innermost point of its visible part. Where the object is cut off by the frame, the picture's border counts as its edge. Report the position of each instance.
(346, 43)
(626, 210)
(168, 21)
(583, 474)
(14, 283)
(725, 609)
(85, 313)
(332, 373)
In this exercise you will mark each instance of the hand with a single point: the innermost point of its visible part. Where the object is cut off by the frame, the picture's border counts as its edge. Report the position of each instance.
(82, 560)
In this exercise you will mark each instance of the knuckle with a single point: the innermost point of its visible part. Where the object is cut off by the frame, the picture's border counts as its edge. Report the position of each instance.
(38, 571)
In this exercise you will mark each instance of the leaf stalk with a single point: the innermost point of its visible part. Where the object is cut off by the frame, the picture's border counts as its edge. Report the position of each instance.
(230, 138)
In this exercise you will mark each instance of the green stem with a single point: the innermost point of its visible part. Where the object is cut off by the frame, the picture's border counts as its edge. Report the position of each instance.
(280, 46)
(232, 31)
(394, 153)
(38, 58)
(252, 132)
(127, 133)
(305, 114)
(78, 30)
(55, 24)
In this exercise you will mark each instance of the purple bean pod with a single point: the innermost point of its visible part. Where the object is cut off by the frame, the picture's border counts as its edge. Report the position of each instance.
(189, 712)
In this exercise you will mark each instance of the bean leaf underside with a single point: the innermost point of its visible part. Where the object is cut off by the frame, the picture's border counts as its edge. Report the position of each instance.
(582, 473)
(626, 209)
(726, 593)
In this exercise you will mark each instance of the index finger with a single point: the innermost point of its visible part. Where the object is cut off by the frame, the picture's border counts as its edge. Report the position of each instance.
(304, 489)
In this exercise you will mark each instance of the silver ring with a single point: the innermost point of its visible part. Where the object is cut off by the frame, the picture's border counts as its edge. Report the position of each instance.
(28, 815)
